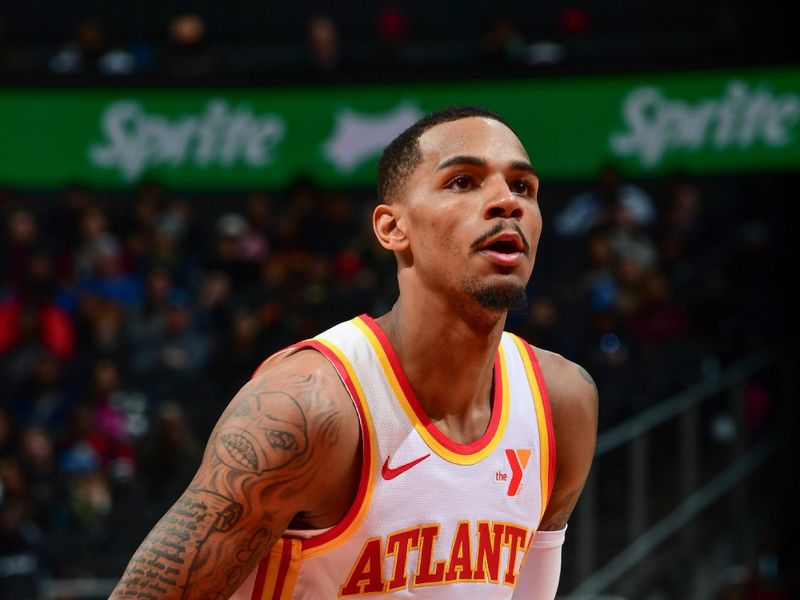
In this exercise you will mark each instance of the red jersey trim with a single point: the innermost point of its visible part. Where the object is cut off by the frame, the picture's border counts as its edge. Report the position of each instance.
(366, 447)
(283, 569)
(551, 440)
(261, 574)
(463, 449)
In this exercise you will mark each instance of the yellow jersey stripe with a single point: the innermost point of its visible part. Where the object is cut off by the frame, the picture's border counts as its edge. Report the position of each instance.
(544, 445)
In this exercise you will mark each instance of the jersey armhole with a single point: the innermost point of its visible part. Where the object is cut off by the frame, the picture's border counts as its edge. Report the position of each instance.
(331, 537)
(548, 414)
(544, 418)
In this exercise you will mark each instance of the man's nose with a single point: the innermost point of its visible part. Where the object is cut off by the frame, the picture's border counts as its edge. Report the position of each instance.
(503, 203)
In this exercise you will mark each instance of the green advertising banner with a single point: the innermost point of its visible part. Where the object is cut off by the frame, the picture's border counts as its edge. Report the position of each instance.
(700, 122)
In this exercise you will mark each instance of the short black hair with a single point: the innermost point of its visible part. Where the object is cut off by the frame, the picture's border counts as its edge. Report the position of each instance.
(403, 155)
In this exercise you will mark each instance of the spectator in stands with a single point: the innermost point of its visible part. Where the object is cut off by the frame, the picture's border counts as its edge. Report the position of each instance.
(502, 43)
(13, 484)
(96, 441)
(542, 323)
(22, 550)
(598, 285)
(149, 198)
(189, 53)
(46, 483)
(107, 414)
(241, 351)
(594, 208)
(658, 319)
(24, 342)
(91, 502)
(8, 432)
(630, 276)
(165, 249)
(44, 400)
(628, 239)
(104, 333)
(106, 279)
(40, 297)
(147, 319)
(255, 243)
(171, 454)
(228, 252)
(684, 236)
(94, 235)
(215, 303)
(391, 29)
(42, 288)
(130, 402)
(22, 239)
(177, 353)
(323, 53)
(64, 226)
(89, 52)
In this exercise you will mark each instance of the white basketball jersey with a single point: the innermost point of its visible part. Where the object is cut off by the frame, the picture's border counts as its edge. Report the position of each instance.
(432, 518)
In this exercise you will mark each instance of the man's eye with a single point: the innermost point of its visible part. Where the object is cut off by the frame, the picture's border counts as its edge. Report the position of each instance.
(462, 182)
(522, 187)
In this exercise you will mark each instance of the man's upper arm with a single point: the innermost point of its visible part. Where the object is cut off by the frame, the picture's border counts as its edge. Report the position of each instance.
(573, 403)
(279, 447)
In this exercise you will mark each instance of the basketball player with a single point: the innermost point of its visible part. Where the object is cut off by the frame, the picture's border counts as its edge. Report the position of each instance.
(425, 453)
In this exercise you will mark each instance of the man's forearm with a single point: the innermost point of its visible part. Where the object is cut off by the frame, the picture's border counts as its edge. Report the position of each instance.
(175, 555)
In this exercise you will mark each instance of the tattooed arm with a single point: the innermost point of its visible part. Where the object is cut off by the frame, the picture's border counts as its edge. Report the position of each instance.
(573, 403)
(285, 447)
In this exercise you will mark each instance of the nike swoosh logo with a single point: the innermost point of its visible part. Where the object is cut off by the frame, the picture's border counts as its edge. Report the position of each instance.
(389, 473)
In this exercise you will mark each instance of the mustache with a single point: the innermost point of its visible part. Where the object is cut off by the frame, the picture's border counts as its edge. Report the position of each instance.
(498, 229)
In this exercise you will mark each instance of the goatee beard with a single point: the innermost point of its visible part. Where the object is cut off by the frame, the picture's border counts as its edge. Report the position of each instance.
(498, 297)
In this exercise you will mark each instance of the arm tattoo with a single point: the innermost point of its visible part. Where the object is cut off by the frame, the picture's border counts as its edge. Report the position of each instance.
(240, 440)
(585, 374)
(259, 457)
(162, 562)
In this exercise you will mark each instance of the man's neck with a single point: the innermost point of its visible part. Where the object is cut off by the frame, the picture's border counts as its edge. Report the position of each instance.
(448, 358)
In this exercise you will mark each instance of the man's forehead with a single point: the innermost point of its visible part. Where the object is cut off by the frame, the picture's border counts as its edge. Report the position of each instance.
(476, 136)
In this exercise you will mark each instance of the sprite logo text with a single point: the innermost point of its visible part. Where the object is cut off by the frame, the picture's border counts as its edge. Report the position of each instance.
(738, 119)
(220, 136)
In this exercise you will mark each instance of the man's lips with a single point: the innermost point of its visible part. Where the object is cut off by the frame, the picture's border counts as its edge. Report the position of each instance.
(505, 259)
(504, 247)
(503, 240)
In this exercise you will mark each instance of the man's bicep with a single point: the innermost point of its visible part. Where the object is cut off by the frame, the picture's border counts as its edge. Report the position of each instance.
(574, 406)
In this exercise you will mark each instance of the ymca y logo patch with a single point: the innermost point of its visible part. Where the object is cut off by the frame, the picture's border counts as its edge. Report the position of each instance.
(517, 460)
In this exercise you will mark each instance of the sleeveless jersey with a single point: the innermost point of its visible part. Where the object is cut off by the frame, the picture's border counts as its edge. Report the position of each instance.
(432, 518)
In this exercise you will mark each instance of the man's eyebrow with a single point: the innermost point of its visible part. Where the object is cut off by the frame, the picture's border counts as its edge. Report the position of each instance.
(521, 165)
(517, 165)
(461, 160)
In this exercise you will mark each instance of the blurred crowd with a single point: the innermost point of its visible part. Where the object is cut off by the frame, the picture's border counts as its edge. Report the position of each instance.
(385, 39)
(129, 319)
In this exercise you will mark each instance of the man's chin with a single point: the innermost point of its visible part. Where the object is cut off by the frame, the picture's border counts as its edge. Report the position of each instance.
(499, 297)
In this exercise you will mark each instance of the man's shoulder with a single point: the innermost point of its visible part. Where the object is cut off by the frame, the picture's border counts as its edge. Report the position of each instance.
(570, 388)
(303, 364)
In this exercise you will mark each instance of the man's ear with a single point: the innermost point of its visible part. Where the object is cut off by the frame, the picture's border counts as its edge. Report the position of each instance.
(387, 224)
